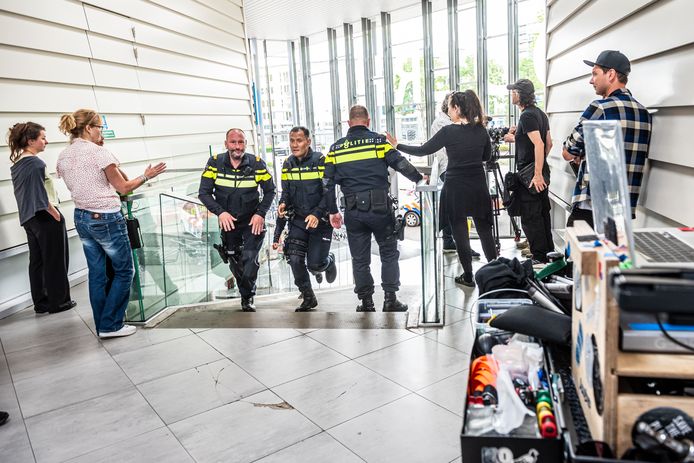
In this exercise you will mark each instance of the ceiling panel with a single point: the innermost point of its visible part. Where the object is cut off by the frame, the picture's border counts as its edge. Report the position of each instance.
(290, 19)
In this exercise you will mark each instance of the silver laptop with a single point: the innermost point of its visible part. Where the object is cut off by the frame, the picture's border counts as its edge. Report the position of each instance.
(651, 248)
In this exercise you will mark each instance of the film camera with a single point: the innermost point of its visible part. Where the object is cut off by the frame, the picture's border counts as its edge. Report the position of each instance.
(496, 134)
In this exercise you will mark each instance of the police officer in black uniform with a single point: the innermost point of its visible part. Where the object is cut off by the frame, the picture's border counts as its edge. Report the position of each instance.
(359, 164)
(303, 203)
(229, 189)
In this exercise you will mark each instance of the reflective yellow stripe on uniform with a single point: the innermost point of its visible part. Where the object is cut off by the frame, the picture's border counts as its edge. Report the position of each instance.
(236, 183)
(262, 175)
(358, 155)
(302, 176)
(209, 173)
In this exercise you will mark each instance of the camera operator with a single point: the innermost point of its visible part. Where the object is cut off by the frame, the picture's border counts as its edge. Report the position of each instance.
(533, 142)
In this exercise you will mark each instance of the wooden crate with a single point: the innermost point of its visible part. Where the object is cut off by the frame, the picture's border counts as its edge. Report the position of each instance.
(596, 316)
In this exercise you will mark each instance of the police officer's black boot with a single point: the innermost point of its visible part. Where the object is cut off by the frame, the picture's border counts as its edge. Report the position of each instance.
(367, 305)
(331, 270)
(391, 303)
(247, 304)
(309, 301)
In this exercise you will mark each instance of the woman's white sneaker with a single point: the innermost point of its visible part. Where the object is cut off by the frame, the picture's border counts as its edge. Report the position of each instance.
(127, 330)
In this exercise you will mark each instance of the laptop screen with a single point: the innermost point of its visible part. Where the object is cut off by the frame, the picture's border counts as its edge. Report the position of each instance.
(609, 192)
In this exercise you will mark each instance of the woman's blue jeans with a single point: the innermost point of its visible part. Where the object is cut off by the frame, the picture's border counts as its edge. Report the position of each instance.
(105, 234)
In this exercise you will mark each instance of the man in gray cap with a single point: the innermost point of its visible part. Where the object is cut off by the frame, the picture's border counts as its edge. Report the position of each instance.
(609, 78)
(533, 142)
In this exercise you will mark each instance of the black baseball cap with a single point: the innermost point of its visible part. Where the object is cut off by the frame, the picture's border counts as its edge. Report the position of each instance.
(612, 59)
(524, 86)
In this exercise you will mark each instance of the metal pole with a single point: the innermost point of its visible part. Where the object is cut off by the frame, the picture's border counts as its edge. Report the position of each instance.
(368, 67)
(453, 52)
(390, 94)
(293, 88)
(429, 103)
(259, 105)
(308, 89)
(269, 107)
(513, 59)
(334, 83)
(482, 53)
(349, 62)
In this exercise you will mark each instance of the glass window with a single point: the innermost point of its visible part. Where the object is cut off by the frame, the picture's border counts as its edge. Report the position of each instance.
(440, 47)
(408, 75)
(280, 96)
(467, 45)
(322, 91)
(497, 62)
(531, 45)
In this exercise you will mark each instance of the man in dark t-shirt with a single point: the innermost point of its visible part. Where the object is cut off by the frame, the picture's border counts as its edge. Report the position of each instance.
(533, 142)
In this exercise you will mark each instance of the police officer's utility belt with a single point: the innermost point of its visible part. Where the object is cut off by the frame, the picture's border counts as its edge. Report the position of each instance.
(371, 200)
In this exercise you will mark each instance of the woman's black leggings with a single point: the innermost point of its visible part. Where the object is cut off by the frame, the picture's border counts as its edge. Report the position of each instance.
(483, 225)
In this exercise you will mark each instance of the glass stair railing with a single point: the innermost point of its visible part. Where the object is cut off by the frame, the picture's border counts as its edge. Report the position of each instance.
(178, 265)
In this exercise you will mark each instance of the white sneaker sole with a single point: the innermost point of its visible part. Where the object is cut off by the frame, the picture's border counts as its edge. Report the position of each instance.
(127, 330)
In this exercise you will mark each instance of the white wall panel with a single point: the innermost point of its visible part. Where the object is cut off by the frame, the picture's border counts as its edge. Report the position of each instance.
(226, 7)
(164, 103)
(154, 14)
(168, 61)
(659, 27)
(162, 125)
(8, 205)
(67, 12)
(559, 10)
(658, 38)
(109, 49)
(653, 87)
(669, 192)
(28, 64)
(115, 25)
(207, 15)
(115, 75)
(160, 81)
(26, 32)
(35, 97)
(670, 127)
(588, 20)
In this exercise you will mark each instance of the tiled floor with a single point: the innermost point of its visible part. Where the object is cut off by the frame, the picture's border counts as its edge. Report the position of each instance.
(232, 395)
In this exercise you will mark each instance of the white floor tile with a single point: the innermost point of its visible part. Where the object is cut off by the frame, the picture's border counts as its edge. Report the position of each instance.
(232, 342)
(78, 429)
(317, 449)
(143, 338)
(159, 445)
(355, 343)
(166, 358)
(198, 389)
(26, 329)
(460, 335)
(243, 431)
(287, 360)
(14, 441)
(416, 363)
(411, 429)
(448, 393)
(339, 393)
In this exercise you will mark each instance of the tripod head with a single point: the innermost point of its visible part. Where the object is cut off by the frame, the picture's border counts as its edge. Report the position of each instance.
(496, 136)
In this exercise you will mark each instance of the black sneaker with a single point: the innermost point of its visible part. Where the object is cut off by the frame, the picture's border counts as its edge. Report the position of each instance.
(319, 277)
(475, 254)
(367, 305)
(465, 280)
(331, 271)
(308, 303)
(247, 304)
(4, 416)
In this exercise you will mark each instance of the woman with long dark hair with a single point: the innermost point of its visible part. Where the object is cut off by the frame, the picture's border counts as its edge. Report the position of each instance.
(465, 192)
(42, 221)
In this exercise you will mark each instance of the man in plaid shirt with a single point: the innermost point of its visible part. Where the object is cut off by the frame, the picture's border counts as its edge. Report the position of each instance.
(609, 78)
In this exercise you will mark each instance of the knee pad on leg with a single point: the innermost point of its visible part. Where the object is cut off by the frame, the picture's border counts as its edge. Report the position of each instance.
(294, 247)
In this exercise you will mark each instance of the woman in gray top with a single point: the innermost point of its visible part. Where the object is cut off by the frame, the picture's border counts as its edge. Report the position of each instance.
(42, 221)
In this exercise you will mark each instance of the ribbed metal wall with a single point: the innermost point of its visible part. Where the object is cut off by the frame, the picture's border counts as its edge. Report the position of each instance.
(658, 38)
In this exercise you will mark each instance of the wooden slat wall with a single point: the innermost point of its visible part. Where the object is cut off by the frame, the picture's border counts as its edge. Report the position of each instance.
(658, 39)
(171, 77)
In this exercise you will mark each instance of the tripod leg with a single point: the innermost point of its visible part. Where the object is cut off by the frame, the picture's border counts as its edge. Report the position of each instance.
(500, 194)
